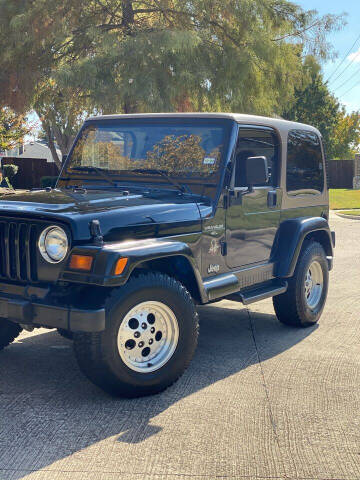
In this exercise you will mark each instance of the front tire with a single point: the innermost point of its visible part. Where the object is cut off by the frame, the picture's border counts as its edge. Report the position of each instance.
(149, 340)
(65, 333)
(303, 302)
(8, 332)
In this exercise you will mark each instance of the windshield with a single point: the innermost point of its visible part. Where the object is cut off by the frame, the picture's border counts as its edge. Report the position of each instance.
(189, 153)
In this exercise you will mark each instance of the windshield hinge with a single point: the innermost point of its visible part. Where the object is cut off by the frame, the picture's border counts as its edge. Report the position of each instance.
(95, 232)
(225, 201)
(223, 246)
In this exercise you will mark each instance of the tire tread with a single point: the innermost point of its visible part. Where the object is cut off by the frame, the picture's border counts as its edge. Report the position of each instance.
(88, 346)
(288, 306)
(9, 331)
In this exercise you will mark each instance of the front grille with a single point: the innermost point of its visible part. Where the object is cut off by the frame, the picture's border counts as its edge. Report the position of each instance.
(18, 250)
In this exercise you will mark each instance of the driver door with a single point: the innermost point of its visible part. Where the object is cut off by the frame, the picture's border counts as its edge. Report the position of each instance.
(253, 215)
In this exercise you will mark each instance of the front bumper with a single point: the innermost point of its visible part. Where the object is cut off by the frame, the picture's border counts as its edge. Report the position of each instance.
(41, 314)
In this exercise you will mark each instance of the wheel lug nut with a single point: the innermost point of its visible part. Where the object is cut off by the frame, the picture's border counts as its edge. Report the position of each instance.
(152, 329)
(151, 341)
(144, 325)
(137, 334)
(141, 344)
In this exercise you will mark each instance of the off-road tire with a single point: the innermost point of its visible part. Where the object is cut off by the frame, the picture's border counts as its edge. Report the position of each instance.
(8, 332)
(65, 333)
(98, 354)
(291, 307)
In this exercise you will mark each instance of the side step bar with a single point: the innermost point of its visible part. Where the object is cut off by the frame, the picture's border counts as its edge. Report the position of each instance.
(260, 293)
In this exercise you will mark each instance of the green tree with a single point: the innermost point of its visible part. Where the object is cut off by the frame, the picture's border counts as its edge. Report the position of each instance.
(9, 171)
(199, 55)
(154, 55)
(13, 128)
(346, 139)
(316, 105)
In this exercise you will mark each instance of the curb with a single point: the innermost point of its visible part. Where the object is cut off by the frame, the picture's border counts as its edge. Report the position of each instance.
(351, 217)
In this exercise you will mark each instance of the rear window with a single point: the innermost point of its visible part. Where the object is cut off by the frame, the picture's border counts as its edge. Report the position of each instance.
(305, 169)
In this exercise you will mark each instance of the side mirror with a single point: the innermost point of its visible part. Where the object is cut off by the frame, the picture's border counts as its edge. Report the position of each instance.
(257, 171)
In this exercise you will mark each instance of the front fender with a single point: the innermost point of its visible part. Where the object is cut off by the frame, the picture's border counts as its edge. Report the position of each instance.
(137, 251)
(290, 239)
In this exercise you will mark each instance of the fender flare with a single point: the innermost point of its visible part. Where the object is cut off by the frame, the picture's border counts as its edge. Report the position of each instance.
(290, 239)
(137, 252)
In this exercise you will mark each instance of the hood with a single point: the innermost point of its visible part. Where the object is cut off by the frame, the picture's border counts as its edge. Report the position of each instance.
(137, 215)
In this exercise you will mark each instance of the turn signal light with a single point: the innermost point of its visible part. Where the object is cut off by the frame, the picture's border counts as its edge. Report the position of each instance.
(120, 265)
(81, 262)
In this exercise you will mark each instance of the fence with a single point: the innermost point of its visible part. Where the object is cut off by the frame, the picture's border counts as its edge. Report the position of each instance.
(340, 173)
(31, 170)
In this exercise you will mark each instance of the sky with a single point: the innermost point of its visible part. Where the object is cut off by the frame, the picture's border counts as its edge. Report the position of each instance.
(344, 79)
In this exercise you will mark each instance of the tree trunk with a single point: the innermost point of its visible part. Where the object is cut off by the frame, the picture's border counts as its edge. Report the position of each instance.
(129, 107)
(184, 103)
(51, 143)
(63, 140)
(127, 13)
(54, 132)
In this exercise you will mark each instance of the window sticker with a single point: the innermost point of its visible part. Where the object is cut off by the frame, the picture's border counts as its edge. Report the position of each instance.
(209, 161)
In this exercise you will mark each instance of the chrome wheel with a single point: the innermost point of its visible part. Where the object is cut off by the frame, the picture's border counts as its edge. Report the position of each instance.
(148, 336)
(314, 281)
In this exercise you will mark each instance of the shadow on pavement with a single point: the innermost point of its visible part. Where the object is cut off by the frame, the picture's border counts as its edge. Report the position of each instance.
(50, 411)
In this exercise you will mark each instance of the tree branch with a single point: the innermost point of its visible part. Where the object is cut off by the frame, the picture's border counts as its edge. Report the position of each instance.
(297, 33)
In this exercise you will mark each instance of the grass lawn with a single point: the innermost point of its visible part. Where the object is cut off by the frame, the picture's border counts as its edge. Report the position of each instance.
(341, 198)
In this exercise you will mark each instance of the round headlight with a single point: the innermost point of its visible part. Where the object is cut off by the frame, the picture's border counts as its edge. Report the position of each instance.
(53, 244)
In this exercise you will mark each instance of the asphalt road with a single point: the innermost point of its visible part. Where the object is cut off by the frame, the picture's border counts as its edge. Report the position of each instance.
(259, 401)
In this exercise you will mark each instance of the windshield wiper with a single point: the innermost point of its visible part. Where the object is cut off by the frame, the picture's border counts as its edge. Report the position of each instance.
(155, 171)
(99, 171)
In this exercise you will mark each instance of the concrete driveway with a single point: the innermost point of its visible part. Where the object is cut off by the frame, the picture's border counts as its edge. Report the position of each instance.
(259, 401)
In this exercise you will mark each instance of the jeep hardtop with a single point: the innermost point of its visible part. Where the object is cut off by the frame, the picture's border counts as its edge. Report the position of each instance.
(153, 214)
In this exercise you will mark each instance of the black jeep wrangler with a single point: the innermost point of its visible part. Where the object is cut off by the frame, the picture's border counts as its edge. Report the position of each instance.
(153, 214)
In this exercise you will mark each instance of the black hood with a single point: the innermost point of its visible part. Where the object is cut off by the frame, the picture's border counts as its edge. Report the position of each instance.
(136, 215)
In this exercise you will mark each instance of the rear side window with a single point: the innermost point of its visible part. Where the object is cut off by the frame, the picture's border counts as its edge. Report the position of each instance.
(305, 170)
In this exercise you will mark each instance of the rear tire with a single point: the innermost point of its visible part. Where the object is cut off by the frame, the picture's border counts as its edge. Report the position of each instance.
(149, 340)
(8, 332)
(303, 302)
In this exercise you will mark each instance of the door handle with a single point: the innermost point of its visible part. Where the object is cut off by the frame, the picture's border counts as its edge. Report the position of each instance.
(272, 199)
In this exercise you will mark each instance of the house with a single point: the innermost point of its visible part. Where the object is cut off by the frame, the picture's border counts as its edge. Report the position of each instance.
(36, 149)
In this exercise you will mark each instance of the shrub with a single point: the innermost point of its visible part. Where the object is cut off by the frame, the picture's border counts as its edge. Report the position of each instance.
(48, 182)
(9, 171)
(5, 183)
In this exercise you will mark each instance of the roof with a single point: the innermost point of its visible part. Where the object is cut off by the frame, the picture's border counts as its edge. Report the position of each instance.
(277, 123)
(35, 150)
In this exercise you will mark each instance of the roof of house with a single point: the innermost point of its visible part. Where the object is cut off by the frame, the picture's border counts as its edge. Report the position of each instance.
(34, 150)
(38, 150)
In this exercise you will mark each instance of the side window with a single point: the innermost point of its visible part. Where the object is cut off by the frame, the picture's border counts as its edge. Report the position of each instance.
(256, 142)
(305, 170)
